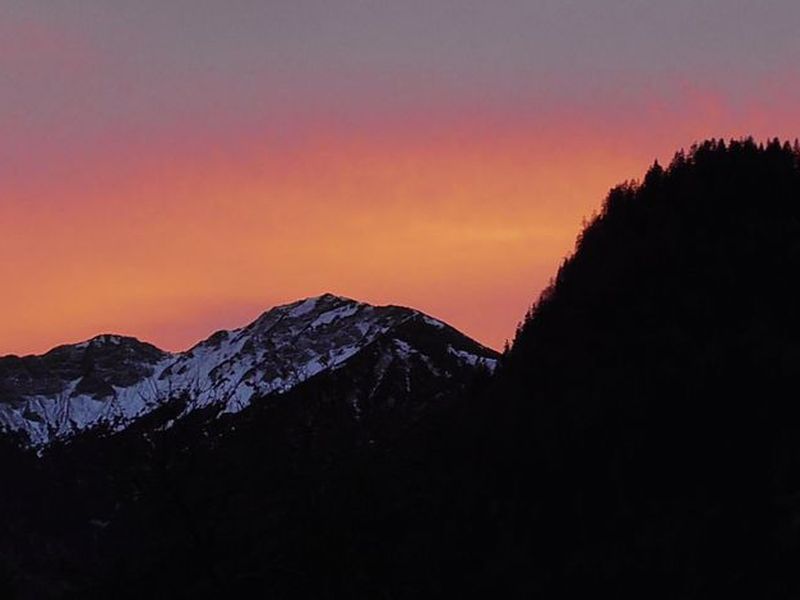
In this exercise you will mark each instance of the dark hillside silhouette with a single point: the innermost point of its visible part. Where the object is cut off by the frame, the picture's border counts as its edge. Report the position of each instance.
(652, 389)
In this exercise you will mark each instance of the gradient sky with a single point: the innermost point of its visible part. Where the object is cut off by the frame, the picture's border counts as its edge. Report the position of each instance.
(173, 167)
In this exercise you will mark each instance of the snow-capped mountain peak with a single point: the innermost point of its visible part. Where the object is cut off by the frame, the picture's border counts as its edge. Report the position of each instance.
(112, 380)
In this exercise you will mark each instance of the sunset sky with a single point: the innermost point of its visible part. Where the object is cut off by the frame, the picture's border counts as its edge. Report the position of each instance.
(173, 167)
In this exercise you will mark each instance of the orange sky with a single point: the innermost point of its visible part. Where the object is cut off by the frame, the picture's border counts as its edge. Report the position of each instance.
(170, 169)
(170, 240)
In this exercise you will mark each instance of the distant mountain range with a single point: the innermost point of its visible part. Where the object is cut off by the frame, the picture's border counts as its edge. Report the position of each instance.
(110, 381)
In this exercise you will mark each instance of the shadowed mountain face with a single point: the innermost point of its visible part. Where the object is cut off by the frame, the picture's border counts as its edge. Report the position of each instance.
(95, 366)
(111, 381)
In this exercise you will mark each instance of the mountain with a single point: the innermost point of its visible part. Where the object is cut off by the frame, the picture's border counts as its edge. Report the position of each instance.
(649, 410)
(148, 464)
(110, 381)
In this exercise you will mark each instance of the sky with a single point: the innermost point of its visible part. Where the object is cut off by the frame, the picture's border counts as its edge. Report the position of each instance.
(170, 168)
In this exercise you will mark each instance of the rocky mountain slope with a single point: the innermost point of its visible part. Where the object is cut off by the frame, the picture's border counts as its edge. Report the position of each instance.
(110, 381)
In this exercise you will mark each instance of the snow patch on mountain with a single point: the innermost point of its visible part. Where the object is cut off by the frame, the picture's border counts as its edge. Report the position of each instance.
(474, 360)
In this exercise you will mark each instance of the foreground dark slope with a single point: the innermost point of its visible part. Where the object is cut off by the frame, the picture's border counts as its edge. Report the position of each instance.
(652, 390)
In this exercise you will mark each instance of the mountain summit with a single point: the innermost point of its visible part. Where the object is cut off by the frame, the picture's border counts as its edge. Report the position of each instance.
(111, 381)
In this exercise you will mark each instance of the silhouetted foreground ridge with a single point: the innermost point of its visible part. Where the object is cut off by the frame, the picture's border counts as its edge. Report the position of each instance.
(653, 387)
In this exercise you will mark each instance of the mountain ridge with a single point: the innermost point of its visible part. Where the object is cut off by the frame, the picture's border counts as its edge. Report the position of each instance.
(112, 380)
